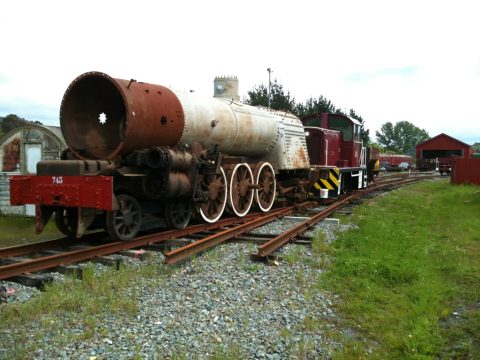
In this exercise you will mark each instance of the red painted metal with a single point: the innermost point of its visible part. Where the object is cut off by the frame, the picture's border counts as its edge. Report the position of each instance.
(323, 146)
(73, 191)
(331, 140)
(395, 159)
(442, 144)
(466, 171)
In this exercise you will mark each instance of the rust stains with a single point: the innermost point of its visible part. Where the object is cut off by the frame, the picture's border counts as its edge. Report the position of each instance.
(300, 160)
(11, 155)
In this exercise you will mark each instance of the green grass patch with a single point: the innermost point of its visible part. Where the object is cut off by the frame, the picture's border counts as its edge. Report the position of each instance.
(18, 230)
(409, 276)
(83, 302)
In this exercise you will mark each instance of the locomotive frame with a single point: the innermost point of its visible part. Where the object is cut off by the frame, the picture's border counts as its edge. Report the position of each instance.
(138, 150)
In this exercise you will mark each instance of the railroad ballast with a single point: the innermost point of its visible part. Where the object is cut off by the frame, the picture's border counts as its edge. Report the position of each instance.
(138, 151)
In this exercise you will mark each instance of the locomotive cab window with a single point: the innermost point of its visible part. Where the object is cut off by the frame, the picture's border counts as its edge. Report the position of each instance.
(357, 133)
(343, 125)
(314, 122)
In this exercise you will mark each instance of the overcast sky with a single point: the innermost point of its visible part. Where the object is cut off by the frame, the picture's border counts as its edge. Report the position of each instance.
(417, 61)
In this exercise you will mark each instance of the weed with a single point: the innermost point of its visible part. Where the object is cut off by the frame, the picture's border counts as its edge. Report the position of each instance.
(97, 294)
(251, 267)
(17, 230)
(294, 255)
(413, 258)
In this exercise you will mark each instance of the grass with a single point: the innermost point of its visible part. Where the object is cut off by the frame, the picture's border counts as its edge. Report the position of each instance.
(18, 230)
(84, 301)
(407, 280)
(409, 276)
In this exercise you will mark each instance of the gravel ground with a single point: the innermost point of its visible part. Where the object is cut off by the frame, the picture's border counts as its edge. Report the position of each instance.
(220, 301)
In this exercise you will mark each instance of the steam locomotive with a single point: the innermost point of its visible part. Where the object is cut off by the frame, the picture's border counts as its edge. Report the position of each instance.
(138, 150)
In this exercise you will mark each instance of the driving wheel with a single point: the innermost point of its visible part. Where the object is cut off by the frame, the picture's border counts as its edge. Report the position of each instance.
(266, 188)
(241, 189)
(215, 186)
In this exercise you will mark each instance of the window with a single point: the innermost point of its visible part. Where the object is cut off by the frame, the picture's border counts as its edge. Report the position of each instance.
(343, 125)
(357, 133)
(314, 122)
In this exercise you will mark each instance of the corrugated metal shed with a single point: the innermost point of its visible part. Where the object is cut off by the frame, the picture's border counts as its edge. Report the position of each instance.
(20, 150)
(466, 171)
(443, 146)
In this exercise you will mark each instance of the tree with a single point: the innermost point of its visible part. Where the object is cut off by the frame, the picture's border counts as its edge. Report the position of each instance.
(400, 137)
(12, 121)
(283, 101)
(314, 105)
(279, 100)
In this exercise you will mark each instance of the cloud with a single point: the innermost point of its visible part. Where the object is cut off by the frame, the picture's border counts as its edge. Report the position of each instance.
(4, 79)
(365, 76)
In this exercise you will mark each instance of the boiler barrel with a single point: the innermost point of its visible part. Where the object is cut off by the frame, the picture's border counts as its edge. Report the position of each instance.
(103, 118)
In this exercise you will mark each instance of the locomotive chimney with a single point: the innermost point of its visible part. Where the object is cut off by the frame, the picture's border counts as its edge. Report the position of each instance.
(226, 87)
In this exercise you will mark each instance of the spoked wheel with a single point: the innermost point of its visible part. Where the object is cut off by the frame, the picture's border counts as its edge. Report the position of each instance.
(216, 187)
(124, 223)
(66, 219)
(178, 213)
(241, 189)
(264, 177)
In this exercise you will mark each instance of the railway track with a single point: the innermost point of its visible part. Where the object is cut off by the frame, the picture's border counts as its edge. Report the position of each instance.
(36, 261)
(267, 249)
(31, 258)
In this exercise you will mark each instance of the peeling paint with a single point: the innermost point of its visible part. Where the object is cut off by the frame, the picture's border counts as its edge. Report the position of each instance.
(11, 155)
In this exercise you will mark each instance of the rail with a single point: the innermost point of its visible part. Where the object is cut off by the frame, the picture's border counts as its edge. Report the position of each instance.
(267, 249)
(68, 257)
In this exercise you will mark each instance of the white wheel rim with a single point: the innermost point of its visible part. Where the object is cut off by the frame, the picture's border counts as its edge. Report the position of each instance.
(215, 219)
(230, 190)
(257, 199)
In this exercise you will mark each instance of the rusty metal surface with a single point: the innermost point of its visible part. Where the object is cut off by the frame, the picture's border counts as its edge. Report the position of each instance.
(292, 151)
(20, 250)
(274, 244)
(182, 253)
(102, 117)
(72, 191)
(10, 153)
(49, 262)
(238, 129)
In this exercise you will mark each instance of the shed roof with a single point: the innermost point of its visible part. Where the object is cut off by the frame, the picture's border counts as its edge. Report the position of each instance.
(442, 135)
(54, 131)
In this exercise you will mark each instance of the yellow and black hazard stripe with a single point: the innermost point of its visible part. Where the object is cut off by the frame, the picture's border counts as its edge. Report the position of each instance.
(331, 183)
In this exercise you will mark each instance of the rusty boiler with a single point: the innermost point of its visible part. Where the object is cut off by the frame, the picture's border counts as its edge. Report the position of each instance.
(104, 118)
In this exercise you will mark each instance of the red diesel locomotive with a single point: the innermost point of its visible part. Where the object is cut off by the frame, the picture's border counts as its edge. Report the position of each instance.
(336, 152)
